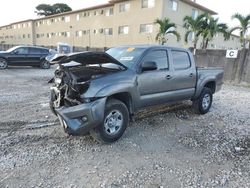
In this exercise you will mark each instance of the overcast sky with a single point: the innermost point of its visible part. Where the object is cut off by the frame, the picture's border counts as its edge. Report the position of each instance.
(16, 10)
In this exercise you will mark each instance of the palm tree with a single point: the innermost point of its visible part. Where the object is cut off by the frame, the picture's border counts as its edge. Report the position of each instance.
(210, 28)
(193, 27)
(166, 28)
(243, 28)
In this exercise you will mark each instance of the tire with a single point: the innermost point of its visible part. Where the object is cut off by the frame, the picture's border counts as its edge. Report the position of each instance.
(45, 64)
(115, 121)
(3, 63)
(204, 102)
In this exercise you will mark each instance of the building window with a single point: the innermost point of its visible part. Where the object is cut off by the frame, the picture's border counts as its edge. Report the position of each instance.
(67, 19)
(78, 17)
(101, 30)
(195, 13)
(108, 31)
(148, 3)
(78, 33)
(146, 28)
(67, 34)
(123, 30)
(29, 24)
(109, 12)
(101, 12)
(174, 5)
(96, 13)
(124, 7)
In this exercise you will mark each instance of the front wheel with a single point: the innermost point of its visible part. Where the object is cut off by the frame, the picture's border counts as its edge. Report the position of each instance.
(204, 102)
(45, 64)
(115, 121)
(3, 63)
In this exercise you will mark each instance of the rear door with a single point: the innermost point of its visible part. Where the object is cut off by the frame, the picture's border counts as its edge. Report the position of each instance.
(184, 74)
(154, 85)
(36, 55)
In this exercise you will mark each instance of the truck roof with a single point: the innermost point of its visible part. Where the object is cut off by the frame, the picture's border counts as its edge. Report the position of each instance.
(147, 46)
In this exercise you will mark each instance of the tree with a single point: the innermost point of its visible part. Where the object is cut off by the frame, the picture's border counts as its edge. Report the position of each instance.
(210, 28)
(61, 7)
(47, 10)
(243, 27)
(194, 27)
(166, 28)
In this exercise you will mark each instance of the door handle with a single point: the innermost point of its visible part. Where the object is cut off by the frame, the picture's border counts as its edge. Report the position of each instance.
(191, 75)
(168, 77)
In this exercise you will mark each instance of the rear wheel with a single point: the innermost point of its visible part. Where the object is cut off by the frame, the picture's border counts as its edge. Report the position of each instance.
(204, 102)
(45, 64)
(115, 121)
(3, 63)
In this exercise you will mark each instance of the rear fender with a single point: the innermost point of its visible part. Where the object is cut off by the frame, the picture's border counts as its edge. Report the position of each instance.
(201, 84)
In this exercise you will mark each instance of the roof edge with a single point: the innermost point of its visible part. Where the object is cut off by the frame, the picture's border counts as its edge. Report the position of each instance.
(192, 3)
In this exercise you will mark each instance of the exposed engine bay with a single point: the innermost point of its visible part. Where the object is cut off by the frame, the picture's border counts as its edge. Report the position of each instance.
(73, 77)
(70, 83)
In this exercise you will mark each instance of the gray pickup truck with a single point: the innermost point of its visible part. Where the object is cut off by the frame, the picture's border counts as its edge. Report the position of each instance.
(98, 92)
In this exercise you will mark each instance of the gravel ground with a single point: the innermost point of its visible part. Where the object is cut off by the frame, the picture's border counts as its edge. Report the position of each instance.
(166, 146)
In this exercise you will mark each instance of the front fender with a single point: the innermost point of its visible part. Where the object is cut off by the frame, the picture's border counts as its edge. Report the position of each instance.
(114, 89)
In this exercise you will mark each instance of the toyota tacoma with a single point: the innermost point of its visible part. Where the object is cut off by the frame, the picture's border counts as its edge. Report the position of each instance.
(99, 92)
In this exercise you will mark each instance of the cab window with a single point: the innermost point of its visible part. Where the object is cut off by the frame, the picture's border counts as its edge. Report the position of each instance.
(181, 60)
(159, 57)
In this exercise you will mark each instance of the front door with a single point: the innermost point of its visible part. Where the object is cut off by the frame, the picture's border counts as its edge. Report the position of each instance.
(18, 56)
(154, 85)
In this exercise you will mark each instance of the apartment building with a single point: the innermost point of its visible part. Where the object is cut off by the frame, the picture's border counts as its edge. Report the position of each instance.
(118, 22)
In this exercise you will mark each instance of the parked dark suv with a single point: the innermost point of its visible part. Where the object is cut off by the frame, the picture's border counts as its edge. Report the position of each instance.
(25, 56)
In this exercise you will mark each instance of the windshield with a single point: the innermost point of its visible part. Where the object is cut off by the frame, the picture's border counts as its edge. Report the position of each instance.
(128, 56)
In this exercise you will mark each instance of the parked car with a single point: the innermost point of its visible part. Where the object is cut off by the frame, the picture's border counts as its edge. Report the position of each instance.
(99, 92)
(25, 56)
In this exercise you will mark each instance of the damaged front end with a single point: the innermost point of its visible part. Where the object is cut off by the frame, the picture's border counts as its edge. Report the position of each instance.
(73, 77)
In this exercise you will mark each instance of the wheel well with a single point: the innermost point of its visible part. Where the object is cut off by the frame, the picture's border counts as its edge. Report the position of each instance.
(125, 98)
(211, 85)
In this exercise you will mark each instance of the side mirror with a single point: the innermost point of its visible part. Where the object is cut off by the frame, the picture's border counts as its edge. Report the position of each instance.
(148, 66)
(15, 52)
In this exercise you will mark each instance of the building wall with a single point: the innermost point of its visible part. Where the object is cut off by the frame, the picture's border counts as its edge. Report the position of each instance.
(17, 33)
(87, 27)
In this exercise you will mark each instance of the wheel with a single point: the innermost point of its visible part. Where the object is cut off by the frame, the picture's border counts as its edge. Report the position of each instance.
(3, 63)
(204, 102)
(115, 121)
(45, 64)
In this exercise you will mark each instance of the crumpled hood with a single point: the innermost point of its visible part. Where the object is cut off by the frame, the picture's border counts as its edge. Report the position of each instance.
(85, 58)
